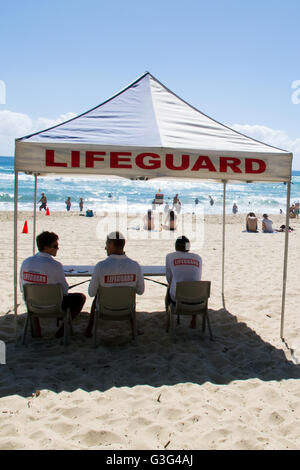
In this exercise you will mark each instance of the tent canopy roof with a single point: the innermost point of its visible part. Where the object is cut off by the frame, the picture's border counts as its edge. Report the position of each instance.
(148, 117)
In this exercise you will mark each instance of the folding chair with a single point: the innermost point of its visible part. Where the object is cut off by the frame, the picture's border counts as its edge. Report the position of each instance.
(44, 301)
(115, 304)
(190, 298)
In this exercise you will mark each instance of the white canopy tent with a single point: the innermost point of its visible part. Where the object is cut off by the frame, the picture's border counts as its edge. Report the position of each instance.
(147, 131)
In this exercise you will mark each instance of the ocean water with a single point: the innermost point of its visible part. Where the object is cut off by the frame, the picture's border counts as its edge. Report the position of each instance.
(136, 196)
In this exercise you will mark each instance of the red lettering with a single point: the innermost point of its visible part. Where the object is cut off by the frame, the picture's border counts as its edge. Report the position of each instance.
(185, 161)
(152, 164)
(249, 165)
(90, 158)
(203, 162)
(50, 159)
(116, 160)
(230, 162)
(75, 159)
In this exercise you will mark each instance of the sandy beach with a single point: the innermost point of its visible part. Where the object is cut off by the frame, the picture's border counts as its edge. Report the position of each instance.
(240, 391)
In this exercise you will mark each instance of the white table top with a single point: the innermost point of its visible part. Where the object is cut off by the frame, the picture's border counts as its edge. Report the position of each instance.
(86, 271)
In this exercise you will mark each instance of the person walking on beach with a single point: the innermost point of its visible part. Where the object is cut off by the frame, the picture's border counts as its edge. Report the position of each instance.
(43, 202)
(182, 265)
(116, 270)
(81, 204)
(68, 204)
(211, 201)
(43, 266)
(234, 208)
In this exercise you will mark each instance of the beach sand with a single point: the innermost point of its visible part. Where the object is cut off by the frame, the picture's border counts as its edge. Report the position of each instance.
(240, 391)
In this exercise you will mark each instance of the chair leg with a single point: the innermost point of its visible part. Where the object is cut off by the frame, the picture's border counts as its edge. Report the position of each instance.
(134, 327)
(95, 330)
(203, 322)
(172, 325)
(25, 329)
(209, 327)
(66, 326)
(168, 320)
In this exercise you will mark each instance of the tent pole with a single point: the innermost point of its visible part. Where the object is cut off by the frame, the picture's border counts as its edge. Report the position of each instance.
(16, 254)
(223, 243)
(286, 245)
(34, 214)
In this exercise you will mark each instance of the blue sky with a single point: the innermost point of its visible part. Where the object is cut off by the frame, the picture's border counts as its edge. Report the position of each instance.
(235, 61)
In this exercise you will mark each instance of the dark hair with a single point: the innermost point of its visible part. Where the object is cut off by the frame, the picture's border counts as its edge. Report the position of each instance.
(251, 214)
(149, 214)
(182, 244)
(45, 239)
(172, 215)
(117, 239)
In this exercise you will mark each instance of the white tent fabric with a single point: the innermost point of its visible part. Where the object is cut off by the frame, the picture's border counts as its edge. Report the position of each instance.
(147, 131)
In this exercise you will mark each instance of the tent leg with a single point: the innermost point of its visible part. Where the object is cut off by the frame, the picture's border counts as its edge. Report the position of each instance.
(16, 255)
(286, 245)
(34, 214)
(223, 243)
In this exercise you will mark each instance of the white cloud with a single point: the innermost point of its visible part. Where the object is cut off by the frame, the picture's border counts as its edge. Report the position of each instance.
(14, 125)
(274, 137)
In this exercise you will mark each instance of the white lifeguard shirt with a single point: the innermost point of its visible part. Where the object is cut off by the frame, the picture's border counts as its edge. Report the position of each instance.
(42, 268)
(182, 266)
(115, 271)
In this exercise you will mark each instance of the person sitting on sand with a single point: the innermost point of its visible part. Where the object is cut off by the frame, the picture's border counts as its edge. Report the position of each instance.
(292, 212)
(297, 210)
(251, 222)
(148, 220)
(115, 271)
(42, 268)
(181, 265)
(170, 222)
(267, 224)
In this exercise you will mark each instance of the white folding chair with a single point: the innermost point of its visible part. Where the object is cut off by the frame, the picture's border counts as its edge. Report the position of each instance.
(45, 301)
(115, 304)
(190, 298)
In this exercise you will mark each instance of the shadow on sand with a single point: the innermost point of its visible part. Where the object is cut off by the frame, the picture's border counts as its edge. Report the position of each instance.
(237, 353)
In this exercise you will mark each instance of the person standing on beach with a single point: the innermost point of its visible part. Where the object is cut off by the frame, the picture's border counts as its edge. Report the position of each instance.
(68, 204)
(234, 208)
(182, 265)
(43, 201)
(115, 271)
(43, 268)
(81, 204)
(211, 201)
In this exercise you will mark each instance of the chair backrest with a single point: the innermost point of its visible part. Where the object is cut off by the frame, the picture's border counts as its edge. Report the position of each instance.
(43, 300)
(116, 302)
(192, 295)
